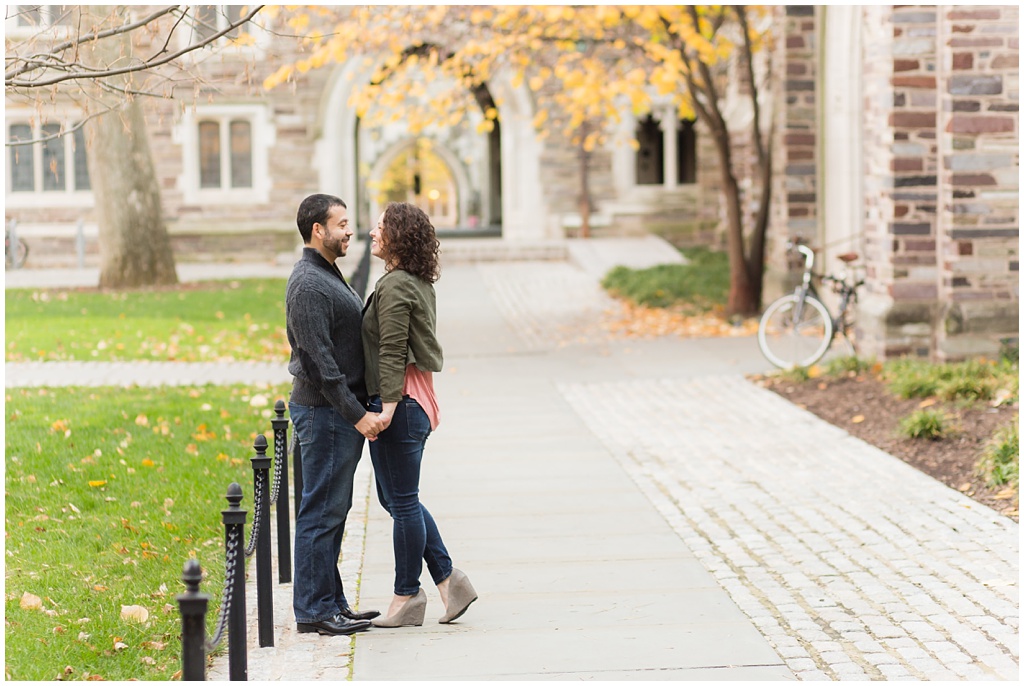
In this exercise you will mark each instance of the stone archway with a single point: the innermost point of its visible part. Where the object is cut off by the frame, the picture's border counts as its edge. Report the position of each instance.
(461, 189)
(513, 161)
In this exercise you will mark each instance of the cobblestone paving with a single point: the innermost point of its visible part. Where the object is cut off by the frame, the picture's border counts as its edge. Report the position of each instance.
(854, 565)
(550, 304)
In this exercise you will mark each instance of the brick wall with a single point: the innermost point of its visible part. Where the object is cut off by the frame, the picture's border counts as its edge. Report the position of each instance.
(794, 209)
(979, 220)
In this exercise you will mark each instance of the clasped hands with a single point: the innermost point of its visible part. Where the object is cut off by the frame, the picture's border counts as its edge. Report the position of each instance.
(373, 423)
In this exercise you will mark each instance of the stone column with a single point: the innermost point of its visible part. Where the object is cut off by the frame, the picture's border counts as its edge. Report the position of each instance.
(979, 125)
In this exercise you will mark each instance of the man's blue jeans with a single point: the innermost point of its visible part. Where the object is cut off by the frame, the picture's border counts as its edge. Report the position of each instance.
(397, 454)
(331, 448)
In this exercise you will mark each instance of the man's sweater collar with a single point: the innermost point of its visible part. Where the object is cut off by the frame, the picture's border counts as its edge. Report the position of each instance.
(313, 256)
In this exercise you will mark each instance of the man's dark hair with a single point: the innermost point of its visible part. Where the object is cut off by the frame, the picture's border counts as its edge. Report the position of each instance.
(314, 210)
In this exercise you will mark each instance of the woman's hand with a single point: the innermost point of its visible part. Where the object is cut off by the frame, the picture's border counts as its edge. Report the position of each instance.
(386, 414)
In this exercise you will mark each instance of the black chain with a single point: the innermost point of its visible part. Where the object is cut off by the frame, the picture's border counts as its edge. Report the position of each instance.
(229, 582)
(278, 468)
(256, 520)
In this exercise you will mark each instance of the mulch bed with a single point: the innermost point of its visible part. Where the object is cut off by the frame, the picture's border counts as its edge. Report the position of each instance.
(951, 460)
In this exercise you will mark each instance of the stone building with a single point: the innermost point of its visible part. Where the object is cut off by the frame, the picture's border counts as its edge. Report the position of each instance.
(897, 134)
(898, 137)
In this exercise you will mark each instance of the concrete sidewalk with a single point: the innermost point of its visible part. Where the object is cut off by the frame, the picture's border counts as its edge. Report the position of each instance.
(638, 510)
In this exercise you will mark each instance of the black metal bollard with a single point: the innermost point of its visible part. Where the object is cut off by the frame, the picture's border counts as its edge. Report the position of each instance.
(234, 527)
(284, 533)
(297, 467)
(264, 589)
(192, 605)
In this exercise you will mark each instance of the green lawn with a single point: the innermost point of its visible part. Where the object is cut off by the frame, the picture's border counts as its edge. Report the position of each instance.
(108, 493)
(697, 287)
(213, 321)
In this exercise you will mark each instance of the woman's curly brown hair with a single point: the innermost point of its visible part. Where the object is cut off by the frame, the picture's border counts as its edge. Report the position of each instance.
(410, 242)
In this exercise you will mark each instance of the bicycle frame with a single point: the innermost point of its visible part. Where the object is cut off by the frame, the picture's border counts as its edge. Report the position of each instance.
(847, 292)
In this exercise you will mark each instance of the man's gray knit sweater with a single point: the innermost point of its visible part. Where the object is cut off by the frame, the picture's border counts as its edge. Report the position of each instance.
(324, 317)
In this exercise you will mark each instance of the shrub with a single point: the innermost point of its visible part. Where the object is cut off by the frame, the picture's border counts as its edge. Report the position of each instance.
(1000, 461)
(971, 380)
(967, 387)
(842, 366)
(912, 378)
(1009, 350)
(931, 424)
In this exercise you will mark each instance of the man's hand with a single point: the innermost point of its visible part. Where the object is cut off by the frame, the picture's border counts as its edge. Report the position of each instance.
(370, 425)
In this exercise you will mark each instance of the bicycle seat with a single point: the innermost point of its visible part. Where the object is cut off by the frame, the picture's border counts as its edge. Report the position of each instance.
(848, 257)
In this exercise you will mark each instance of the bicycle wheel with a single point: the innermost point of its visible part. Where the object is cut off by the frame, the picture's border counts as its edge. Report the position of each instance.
(787, 342)
(20, 254)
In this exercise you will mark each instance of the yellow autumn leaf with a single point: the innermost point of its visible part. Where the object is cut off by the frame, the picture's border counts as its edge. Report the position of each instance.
(142, 420)
(927, 402)
(147, 462)
(97, 484)
(858, 419)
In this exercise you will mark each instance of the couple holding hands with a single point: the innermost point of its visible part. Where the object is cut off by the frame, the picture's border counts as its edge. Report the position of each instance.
(365, 373)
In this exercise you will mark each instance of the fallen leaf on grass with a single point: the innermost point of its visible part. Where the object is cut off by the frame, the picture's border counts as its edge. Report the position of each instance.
(31, 602)
(97, 484)
(926, 403)
(154, 645)
(134, 613)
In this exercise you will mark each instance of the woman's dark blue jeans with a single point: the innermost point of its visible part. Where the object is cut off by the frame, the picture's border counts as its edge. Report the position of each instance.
(397, 455)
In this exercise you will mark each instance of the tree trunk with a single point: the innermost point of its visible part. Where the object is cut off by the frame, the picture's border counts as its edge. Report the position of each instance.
(135, 249)
(742, 299)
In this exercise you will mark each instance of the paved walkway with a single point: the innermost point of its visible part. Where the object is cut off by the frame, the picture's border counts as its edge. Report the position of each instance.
(638, 510)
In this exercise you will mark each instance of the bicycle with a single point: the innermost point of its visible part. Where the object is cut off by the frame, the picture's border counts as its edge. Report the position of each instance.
(797, 329)
(14, 259)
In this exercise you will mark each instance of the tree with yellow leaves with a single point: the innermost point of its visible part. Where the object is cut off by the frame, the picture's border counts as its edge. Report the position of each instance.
(584, 65)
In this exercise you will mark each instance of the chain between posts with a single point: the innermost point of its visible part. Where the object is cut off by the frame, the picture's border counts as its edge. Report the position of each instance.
(229, 583)
(257, 519)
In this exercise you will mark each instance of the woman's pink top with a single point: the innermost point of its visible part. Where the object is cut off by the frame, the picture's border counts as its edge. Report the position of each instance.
(419, 385)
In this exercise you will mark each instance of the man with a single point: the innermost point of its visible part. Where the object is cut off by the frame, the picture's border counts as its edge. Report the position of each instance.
(327, 407)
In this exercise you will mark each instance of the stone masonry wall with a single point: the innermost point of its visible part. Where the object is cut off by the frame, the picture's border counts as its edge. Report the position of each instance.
(794, 210)
(979, 138)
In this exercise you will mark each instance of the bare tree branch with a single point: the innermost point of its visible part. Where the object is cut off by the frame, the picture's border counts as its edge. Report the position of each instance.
(75, 42)
(12, 82)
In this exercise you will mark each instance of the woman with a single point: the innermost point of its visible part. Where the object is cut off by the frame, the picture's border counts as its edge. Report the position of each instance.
(402, 352)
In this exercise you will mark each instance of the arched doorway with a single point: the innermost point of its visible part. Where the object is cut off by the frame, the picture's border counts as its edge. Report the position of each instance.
(503, 185)
(421, 172)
